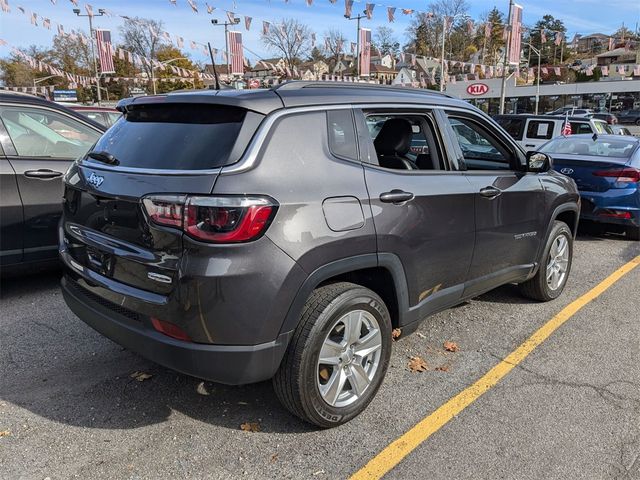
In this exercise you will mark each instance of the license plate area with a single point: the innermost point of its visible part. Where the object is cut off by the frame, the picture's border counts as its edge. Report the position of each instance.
(99, 261)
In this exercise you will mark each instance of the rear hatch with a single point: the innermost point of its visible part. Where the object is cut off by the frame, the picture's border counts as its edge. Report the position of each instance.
(124, 202)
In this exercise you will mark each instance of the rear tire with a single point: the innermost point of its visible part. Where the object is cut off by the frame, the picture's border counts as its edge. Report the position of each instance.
(555, 266)
(633, 233)
(338, 355)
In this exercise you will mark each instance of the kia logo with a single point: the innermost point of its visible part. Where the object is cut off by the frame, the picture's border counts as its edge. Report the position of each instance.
(477, 89)
(566, 171)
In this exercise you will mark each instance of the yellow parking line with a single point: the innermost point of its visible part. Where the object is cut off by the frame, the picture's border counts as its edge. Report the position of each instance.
(393, 454)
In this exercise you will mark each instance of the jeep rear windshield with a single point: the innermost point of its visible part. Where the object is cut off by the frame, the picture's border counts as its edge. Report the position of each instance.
(179, 136)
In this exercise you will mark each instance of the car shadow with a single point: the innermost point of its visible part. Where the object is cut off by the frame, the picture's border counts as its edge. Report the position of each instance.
(507, 294)
(60, 369)
(30, 280)
(595, 232)
(95, 393)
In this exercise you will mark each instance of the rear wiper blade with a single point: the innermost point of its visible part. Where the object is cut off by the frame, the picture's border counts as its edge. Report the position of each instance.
(104, 157)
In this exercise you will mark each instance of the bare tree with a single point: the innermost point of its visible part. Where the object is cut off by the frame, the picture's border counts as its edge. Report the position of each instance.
(385, 40)
(335, 44)
(290, 38)
(72, 54)
(425, 30)
(144, 37)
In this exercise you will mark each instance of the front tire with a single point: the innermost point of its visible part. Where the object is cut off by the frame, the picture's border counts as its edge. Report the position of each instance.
(633, 233)
(555, 265)
(338, 355)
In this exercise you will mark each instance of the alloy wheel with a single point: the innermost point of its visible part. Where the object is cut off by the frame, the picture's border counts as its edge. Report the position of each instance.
(349, 358)
(558, 262)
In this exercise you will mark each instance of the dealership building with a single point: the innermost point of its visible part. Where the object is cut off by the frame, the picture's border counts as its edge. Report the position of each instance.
(600, 95)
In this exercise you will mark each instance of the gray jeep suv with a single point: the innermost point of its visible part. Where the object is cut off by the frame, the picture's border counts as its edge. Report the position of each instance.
(238, 236)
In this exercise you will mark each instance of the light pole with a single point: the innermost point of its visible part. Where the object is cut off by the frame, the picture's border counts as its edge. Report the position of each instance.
(446, 19)
(100, 13)
(539, 53)
(226, 40)
(505, 64)
(166, 62)
(357, 19)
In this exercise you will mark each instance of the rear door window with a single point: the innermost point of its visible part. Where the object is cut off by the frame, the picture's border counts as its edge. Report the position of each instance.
(180, 136)
(540, 129)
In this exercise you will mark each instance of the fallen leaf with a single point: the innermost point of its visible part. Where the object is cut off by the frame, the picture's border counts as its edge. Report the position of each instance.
(250, 427)
(451, 346)
(417, 364)
(274, 457)
(141, 376)
(5, 433)
(201, 389)
(443, 368)
(395, 333)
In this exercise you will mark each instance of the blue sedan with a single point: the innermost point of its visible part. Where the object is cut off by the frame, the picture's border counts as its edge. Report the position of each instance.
(606, 169)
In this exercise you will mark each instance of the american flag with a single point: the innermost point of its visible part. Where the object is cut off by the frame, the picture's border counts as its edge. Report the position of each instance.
(105, 51)
(516, 34)
(365, 51)
(235, 50)
(566, 128)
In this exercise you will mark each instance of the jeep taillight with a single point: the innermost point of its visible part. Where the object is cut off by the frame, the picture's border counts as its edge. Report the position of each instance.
(215, 219)
(165, 209)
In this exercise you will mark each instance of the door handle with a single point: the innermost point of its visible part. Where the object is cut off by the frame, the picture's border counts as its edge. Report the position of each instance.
(396, 196)
(490, 192)
(529, 145)
(42, 173)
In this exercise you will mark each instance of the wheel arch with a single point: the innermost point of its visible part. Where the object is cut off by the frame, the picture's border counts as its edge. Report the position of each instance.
(383, 273)
(569, 213)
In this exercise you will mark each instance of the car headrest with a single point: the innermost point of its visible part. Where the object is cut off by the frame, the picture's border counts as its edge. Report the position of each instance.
(581, 148)
(394, 137)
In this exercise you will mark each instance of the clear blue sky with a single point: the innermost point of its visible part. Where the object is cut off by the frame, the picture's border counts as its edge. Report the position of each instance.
(580, 16)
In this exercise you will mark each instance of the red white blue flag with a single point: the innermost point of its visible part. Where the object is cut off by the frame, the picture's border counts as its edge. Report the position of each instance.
(105, 51)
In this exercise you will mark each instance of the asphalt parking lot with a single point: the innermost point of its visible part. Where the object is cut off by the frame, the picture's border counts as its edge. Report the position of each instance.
(69, 407)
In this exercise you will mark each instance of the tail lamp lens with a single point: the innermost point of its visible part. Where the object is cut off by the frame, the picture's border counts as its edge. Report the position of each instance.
(626, 175)
(213, 219)
(165, 209)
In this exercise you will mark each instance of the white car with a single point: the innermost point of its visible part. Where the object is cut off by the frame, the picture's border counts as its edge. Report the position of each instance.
(532, 131)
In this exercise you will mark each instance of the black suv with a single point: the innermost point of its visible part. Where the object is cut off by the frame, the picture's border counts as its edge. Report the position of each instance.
(238, 236)
(39, 140)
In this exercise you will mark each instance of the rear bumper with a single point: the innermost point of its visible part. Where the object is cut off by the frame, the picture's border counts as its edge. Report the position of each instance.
(230, 364)
(599, 206)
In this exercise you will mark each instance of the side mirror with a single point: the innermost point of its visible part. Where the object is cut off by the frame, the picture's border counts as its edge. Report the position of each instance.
(538, 162)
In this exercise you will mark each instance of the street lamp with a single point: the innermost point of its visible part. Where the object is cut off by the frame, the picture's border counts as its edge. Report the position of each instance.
(166, 62)
(357, 18)
(39, 80)
(444, 31)
(539, 53)
(215, 22)
(100, 13)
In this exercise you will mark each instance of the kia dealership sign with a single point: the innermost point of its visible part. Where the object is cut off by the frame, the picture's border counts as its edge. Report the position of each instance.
(477, 89)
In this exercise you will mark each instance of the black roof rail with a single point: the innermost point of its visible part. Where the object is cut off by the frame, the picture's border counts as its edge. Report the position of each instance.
(300, 84)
